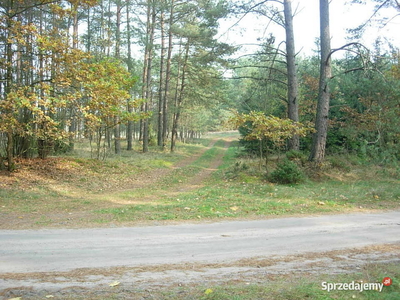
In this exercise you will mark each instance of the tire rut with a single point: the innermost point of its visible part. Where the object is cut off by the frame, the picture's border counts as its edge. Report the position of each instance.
(191, 184)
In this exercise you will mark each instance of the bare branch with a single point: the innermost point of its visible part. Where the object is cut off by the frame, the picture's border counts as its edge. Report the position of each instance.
(23, 9)
(265, 67)
(346, 46)
(259, 79)
(249, 10)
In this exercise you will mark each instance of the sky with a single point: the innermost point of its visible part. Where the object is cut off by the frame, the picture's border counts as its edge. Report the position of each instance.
(306, 26)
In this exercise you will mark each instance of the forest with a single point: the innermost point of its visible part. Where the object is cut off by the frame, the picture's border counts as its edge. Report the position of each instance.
(140, 74)
(147, 153)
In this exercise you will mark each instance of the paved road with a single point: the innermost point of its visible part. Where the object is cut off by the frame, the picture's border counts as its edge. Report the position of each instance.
(27, 251)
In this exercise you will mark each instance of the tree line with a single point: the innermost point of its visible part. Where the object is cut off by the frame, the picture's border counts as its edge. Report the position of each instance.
(320, 91)
(69, 69)
(152, 71)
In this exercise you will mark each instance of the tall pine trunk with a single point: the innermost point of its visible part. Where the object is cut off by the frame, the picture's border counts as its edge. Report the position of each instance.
(161, 85)
(167, 77)
(179, 99)
(321, 123)
(117, 127)
(151, 18)
(292, 97)
(73, 121)
(129, 127)
(7, 91)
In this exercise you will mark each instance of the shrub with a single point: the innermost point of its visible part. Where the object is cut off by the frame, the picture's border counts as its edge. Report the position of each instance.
(286, 172)
(339, 163)
(296, 156)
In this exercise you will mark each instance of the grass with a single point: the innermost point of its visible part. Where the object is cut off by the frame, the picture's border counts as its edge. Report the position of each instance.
(119, 191)
(253, 200)
(248, 197)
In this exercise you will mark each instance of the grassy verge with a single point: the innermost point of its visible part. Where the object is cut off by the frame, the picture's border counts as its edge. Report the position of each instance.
(254, 200)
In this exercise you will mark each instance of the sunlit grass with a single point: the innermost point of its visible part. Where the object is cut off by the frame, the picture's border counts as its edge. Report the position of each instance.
(113, 190)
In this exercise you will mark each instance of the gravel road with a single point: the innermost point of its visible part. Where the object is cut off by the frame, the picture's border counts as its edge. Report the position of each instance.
(48, 250)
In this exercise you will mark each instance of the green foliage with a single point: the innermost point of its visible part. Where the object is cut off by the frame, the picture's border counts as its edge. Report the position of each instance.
(286, 172)
(272, 128)
(340, 163)
(296, 156)
(269, 132)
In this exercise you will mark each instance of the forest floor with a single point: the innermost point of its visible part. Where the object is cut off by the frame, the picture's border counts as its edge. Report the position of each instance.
(192, 186)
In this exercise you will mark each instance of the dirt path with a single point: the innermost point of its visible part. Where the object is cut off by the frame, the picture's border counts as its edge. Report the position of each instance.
(152, 179)
(59, 260)
(197, 181)
(149, 182)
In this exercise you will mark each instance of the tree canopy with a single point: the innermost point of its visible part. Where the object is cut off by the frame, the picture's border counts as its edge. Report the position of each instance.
(153, 72)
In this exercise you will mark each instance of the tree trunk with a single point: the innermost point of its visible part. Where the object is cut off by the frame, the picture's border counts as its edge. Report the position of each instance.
(117, 127)
(161, 86)
(151, 18)
(109, 26)
(73, 127)
(75, 26)
(167, 77)
(129, 127)
(7, 90)
(44, 143)
(117, 136)
(292, 97)
(89, 32)
(179, 101)
(321, 124)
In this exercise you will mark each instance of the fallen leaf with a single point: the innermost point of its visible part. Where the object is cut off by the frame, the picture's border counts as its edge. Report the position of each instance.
(115, 283)
(49, 296)
(18, 298)
(208, 291)
(234, 208)
(321, 203)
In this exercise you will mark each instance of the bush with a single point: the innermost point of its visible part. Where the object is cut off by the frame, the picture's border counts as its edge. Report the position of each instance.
(339, 163)
(286, 172)
(296, 156)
